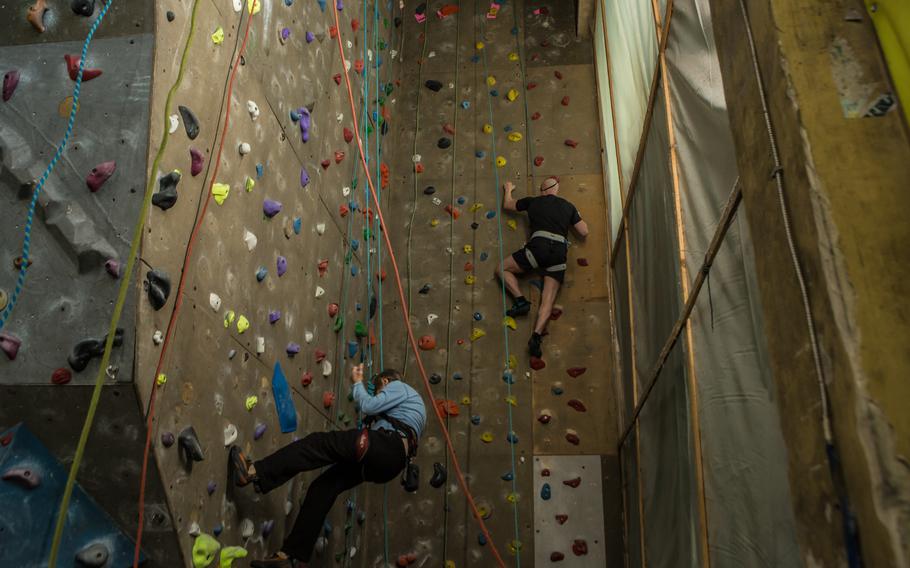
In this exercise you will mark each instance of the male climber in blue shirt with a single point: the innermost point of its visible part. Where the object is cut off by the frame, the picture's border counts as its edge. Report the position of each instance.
(377, 454)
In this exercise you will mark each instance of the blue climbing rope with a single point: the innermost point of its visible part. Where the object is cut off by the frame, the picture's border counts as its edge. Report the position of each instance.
(29, 219)
(505, 331)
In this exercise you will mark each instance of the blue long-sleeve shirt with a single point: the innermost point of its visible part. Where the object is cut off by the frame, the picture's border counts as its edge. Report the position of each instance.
(396, 399)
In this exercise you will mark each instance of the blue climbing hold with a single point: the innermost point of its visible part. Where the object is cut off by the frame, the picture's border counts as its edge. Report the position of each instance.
(461, 200)
(491, 214)
(284, 403)
(514, 31)
(475, 419)
(353, 205)
(512, 438)
(545, 492)
(259, 171)
(508, 476)
(465, 105)
(321, 4)
(494, 93)
(484, 256)
(480, 153)
(481, 540)
(355, 244)
(261, 273)
(358, 307)
(557, 391)
(354, 270)
(219, 528)
(478, 316)
(507, 377)
(298, 225)
(288, 3)
(295, 116)
(475, 58)
(352, 349)
(456, 376)
(507, 128)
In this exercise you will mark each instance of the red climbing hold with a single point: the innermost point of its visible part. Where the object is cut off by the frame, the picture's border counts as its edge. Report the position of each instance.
(358, 65)
(453, 211)
(565, 101)
(447, 10)
(571, 143)
(333, 310)
(355, 24)
(10, 82)
(579, 547)
(320, 355)
(100, 174)
(333, 32)
(535, 116)
(582, 261)
(561, 519)
(448, 129)
(325, 164)
(418, 168)
(406, 559)
(576, 371)
(348, 135)
(537, 363)
(337, 78)
(427, 342)
(573, 438)
(557, 74)
(381, 276)
(306, 379)
(322, 267)
(578, 405)
(447, 408)
(535, 57)
(339, 156)
(555, 314)
(460, 341)
(573, 483)
(328, 399)
(61, 376)
(384, 175)
(544, 418)
(557, 557)
(538, 160)
(532, 85)
(72, 67)
(6, 440)
(343, 210)
(545, 472)
(469, 267)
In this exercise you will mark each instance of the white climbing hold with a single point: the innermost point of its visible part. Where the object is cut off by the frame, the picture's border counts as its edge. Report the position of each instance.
(437, 202)
(230, 435)
(347, 65)
(345, 191)
(247, 528)
(158, 337)
(260, 345)
(320, 545)
(350, 44)
(320, 228)
(339, 117)
(288, 507)
(253, 109)
(219, 404)
(195, 529)
(174, 123)
(326, 368)
(238, 5)
(431, 318)
(431, 55)
(250, 239)
(320, 291)
(369, 55)
(308, 336)
(353, 552)
(450, 250)
(215, 301)
(451, 85)
(245, 148)
(393, 53)
(415, 158)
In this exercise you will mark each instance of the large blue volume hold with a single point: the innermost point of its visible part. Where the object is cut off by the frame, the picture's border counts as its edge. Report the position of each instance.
(287, 414)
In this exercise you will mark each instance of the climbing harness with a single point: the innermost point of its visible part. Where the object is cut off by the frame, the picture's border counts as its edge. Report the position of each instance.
(410, 477)
(550, 236)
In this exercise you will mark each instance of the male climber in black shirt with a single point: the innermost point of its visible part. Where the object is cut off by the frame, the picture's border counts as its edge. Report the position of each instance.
(551, 217)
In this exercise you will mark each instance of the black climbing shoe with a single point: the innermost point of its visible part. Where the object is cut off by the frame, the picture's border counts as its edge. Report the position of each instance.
(273, 561)
(240, 468)
(189, 445)
(439, 475)
(521, 307)
(534, 345)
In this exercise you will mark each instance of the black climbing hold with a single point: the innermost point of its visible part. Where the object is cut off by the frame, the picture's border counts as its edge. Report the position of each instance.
(425, 289)
(397, 22)
(158, 286)
(439, 475)
(190, 122)
(421, 8)
(83, 8)
(170, 16)
(444, 143)
(433, 85)
(167, 191)
(88, 349)
(95, 555)
(435, 379)
(190, 448)
(384, 129)
(372, 307)
(474, 225)
(429, 190)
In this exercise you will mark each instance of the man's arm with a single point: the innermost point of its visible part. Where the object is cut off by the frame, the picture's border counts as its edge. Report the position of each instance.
(508, 202)
(390, 397)
(581, 229)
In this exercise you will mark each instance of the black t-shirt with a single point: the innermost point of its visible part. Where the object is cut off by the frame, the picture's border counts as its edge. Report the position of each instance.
(549, 213)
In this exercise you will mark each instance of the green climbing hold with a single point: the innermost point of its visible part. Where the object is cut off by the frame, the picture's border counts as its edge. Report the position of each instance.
(360, 330)
(204, 550)
(229, 554)
(339, 323)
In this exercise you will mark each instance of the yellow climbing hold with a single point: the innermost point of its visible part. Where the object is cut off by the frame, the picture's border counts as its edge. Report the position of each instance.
(487, 437)
(513, 361)
(509, 322)
(484, 511)
(161, 379)
(513, 56)
(476, 206)
(512, 498)
(228, 319)
(515, 546)
(204, 549)
(487, 128)
(512, 94)
(229, 554)
(477, 333)
(466, 400)
(254, 6)
(243, 324)
(512, 400)
(450, 564)
(470, 279)
(479, 45)
(491, 80)
(66, 106)
(249, 185)
(218, 36)
(434, 222)
(500, 162)
(251, 402)
(515, 136)
(512, 224)
(220, 192)
(468, 249)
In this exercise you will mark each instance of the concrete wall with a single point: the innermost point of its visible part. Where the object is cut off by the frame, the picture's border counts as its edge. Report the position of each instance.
(845, 177)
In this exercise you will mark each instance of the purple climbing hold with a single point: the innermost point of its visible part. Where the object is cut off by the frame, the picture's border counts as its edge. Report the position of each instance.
(10, 82)
(310, 37)
(9, 344)
(24, 476)
(274, 316)
(267, 528)
(100, 174)
(304, 123)
(304, 177)
(339, 5)
(271, 207)
(196, 162)
(113, 268)
(258, 432)
(293, 349)
(168, 439)
(285, 34)
(210, 488)
(282, 265)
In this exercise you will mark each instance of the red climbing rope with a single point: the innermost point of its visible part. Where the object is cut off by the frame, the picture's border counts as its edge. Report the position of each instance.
(178, 299)
(404, 308)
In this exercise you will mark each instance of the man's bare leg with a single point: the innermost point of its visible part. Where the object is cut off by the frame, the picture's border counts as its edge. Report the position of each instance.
(547, 301)
(507, 273)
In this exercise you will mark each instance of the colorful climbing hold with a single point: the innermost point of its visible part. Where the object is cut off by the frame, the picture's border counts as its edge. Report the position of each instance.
(72, 69)
(561, 519)
(204, 549)
(218, 36)
(10, 82)
(486, 437)
(577, 405)
(574, 483)
(546, 492)
(220, 192)
(196, 162)
(427, 342)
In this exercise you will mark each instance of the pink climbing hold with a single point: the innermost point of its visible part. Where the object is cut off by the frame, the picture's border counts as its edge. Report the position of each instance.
(574, 483)
(328, 399)
(10, 82)
(306, 379)
(100, 174)
(113, 268)
(348, 135)
(333, 309)
(72, 68)
(580, 547)
(565, 101)
(571, 143)
(576, 371)
(537, 363)
(561, 519)
(322, 267)
(339, 156)
(25, 477)
(61, 376)
(582, 261)
(10, 344)
(196, 162)
(320, 355)
(578, 405)
(538, 160)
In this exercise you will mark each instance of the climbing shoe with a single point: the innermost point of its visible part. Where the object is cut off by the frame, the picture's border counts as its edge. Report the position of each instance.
(521, 307)
(240, 468)
(274, 561)
(534, 345)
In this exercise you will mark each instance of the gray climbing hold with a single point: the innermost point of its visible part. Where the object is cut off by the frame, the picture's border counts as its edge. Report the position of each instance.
(94, 555)
(190, 447)
(168, 439)
(190, 122)
(24, 476)
(158, 287)
(83, 8)
(88, 349)
(167, 191)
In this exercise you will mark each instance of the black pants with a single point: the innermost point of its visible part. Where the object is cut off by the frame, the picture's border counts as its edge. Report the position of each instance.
(383, 462)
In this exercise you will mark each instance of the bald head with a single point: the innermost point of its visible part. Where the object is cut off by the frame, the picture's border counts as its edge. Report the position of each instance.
(549, 186)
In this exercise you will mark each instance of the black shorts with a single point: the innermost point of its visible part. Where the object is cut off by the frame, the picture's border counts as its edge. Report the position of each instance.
(547, 253)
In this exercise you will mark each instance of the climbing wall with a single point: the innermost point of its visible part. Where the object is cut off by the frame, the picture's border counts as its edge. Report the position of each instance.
(484, 100)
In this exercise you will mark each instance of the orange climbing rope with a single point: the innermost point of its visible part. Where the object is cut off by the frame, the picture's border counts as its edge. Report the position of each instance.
(178, 299)
(404, 308)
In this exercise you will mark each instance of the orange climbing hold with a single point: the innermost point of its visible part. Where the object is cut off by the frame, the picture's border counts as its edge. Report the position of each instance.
(333, 32)
(453, 211)
(343, 210)
(447, 10)
(427, 342)
(328, 399)
(447, 408)
(339, 156)
(418, 168)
